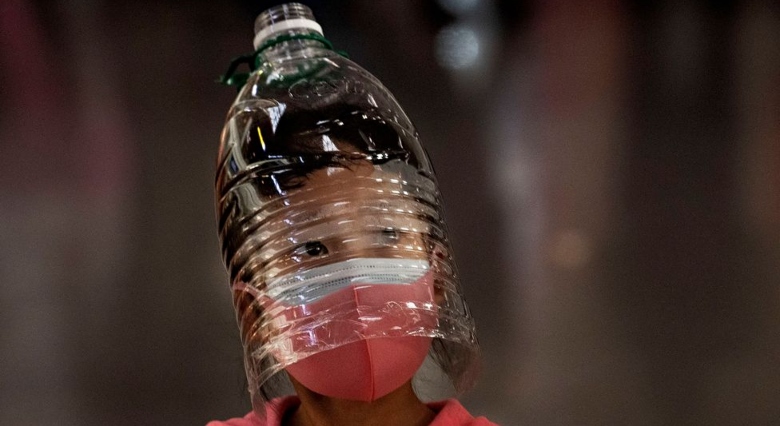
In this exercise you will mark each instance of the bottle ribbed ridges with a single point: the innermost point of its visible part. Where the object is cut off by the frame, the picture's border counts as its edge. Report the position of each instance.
(270, 233)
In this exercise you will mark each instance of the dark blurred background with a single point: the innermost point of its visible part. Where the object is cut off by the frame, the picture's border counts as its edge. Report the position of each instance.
(611, 174)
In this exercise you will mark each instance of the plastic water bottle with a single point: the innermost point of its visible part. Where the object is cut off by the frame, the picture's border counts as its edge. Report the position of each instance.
(317, 165)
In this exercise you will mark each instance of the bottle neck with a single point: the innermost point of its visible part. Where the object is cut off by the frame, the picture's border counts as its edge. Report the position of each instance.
(285, 17)
(294, 44)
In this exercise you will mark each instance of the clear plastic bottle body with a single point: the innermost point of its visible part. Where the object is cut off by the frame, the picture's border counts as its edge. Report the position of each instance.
(319, 164)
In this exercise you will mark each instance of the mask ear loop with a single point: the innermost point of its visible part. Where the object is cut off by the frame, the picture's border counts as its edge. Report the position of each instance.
(231, 77)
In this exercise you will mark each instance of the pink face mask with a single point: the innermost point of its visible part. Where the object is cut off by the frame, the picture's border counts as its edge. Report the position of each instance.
(360, 325)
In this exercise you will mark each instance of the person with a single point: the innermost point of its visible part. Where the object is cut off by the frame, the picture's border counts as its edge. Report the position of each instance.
(341, 271)
(346, 395)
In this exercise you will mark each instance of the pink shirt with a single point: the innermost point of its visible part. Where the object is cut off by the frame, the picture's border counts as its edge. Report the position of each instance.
(449, 413)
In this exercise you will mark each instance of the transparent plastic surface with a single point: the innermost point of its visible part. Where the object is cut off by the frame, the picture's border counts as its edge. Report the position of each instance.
(322, 186)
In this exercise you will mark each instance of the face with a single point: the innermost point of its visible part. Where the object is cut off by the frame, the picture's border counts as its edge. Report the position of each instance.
(336, 214)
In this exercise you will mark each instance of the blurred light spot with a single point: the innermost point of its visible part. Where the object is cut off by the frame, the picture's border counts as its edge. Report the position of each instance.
(458, 7)
(457, 47)
(570, 249)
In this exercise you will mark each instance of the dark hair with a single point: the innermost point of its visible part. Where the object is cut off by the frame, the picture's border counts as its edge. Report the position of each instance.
(337, 135)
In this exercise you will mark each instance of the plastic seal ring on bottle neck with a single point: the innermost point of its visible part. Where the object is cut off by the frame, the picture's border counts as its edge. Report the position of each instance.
(236, 79)
(290, 24)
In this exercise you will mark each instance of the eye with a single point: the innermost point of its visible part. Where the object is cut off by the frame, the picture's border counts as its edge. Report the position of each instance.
(315, 248)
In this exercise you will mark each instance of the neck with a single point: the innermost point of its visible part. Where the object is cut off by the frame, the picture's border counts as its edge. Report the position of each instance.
(399, 408)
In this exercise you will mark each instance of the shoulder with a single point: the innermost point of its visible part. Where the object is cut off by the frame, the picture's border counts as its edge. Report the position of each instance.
(452, 413)
(249, 420)
(275, 411)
